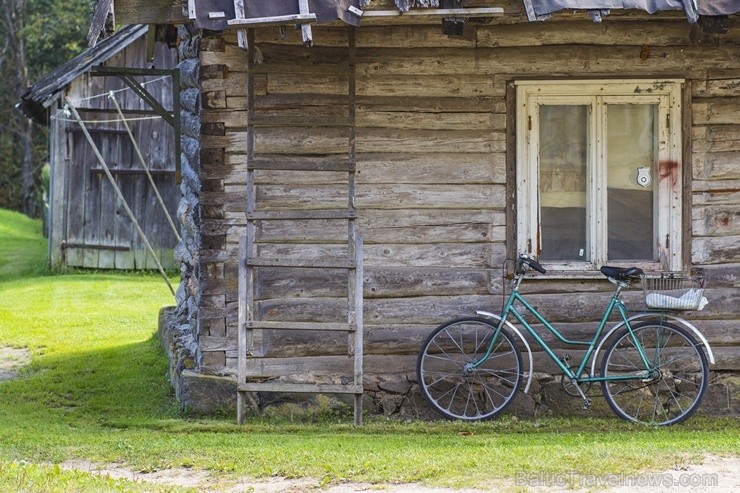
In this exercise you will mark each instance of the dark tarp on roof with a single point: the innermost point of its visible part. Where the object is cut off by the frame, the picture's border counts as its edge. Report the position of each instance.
(537, 9)
(325, 10)
(36, 99)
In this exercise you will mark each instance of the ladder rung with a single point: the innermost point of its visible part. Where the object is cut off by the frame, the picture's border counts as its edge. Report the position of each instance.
(306, 215)
(298, 164)
(299, 387)
(324, 326)
(301, 263)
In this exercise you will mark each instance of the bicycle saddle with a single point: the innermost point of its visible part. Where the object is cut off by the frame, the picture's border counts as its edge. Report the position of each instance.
(621, 273)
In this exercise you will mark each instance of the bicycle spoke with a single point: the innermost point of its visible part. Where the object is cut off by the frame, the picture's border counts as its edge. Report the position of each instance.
(673, 388)
(455, 379)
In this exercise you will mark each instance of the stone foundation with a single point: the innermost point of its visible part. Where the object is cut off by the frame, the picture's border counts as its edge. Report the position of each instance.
(389, 395)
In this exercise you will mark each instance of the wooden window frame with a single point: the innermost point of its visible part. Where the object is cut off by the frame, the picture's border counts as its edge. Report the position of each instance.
(667, 95)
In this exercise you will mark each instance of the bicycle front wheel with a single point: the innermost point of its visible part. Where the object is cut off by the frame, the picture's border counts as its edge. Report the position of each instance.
(675, 385)
(454, 380)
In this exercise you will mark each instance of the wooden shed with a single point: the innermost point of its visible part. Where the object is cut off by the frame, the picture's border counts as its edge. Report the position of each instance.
(89, 225)
(450, 136)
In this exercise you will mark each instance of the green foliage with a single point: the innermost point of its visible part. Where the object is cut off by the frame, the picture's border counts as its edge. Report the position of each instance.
(53, 32)
(96, 390)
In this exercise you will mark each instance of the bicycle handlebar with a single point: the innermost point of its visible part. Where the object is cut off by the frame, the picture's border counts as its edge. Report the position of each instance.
(523, 259)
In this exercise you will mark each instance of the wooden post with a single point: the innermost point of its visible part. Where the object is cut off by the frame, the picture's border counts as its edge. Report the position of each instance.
(58, 160)
(241, 34)
(305, 28)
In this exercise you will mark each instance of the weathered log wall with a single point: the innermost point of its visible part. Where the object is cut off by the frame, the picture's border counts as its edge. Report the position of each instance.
(434, 156)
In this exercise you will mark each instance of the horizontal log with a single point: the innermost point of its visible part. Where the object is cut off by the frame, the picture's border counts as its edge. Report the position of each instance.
(369, 140)
(591, 59)
(378, 282)
(433, 310)
(439, 168)
(716, 165)
(387, 255)
(377, 226)
(728, 359)
(408, 339)
(715, 138)
(717, 250)
(717, 111)
(723, 275)
(576, 30)
(427, 121)
(716, 220)
(150, 12)
(586, 32)
(368, 197)
(723, 83)
(709, 187)
(420, 102)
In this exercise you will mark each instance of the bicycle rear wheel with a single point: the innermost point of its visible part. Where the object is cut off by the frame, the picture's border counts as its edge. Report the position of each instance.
(453, 386)
(674, 389)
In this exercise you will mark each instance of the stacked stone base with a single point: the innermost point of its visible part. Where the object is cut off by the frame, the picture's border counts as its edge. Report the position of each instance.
(388, 395)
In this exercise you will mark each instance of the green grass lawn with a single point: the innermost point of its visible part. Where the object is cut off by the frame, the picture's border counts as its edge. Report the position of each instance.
(96, 389)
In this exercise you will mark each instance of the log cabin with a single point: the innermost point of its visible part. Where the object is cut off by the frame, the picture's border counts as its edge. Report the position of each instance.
(359, 171)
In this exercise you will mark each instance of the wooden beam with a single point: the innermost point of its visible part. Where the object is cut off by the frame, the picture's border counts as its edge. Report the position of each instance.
(305, 28)
(239, 13)
(150, 12)
(471, 12)
(273, 21)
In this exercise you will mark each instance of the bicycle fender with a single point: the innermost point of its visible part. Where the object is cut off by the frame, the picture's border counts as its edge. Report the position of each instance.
(519, 334)
(672, 318)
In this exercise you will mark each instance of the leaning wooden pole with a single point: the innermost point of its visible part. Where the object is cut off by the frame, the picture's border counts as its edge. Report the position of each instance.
(144, 165)
(113, 183)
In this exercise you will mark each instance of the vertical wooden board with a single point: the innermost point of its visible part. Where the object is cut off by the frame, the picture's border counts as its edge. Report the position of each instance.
(75, 209)
(124, 229)
(57, 202)
(108, 200)
(92, 187)
(143, 258)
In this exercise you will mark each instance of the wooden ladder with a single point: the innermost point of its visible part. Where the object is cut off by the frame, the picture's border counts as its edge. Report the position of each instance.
(250, 377)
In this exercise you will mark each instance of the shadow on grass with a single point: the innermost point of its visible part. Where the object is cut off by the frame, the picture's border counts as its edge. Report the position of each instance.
(122, 384)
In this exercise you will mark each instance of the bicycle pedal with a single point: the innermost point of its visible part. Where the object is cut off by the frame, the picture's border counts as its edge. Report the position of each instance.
(586, 404)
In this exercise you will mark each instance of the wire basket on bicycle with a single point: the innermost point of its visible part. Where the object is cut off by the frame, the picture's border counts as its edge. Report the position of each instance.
(674, 291)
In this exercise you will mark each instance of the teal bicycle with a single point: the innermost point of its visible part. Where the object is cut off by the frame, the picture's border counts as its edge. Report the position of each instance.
(654, 369)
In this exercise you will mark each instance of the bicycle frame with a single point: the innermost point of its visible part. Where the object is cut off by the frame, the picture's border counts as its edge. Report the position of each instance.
(591, 345)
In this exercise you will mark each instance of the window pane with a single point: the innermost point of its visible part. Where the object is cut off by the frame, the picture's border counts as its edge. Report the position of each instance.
(563, 182)
(631, 151)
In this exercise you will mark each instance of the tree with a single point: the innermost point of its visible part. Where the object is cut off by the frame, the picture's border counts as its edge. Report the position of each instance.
(35, 36)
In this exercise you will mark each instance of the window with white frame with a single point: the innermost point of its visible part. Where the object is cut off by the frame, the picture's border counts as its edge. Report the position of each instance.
(599, 173)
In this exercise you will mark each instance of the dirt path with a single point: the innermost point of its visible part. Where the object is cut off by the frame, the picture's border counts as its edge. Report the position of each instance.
(11, 360)
(714, 474)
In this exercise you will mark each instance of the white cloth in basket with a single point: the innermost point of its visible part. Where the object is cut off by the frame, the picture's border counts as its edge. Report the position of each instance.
(690, 300)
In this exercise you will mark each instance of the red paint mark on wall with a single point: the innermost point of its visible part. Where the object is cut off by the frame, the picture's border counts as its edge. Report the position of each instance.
(669, 170)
